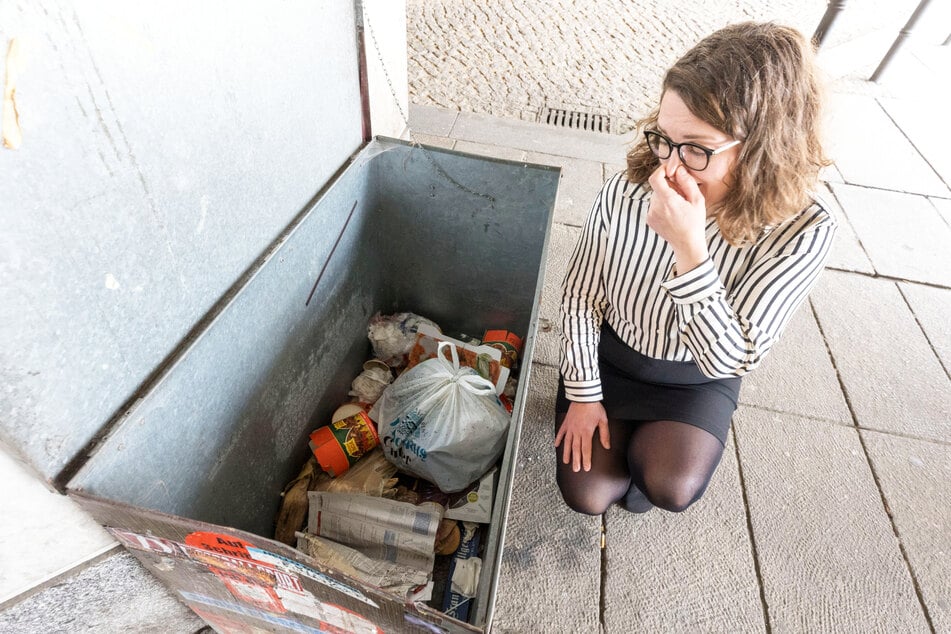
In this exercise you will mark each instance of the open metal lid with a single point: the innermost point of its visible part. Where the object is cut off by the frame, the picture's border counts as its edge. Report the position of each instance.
(165, 147)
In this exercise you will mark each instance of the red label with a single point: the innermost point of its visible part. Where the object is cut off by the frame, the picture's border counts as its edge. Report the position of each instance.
(218, 543)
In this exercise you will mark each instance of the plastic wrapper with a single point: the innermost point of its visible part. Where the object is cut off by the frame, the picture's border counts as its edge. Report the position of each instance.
(393, 336)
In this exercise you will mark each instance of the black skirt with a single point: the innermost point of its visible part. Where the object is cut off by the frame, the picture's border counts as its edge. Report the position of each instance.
(638, 388)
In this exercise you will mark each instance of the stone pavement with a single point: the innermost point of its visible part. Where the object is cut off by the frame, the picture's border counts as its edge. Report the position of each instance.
(512, 58)
(830, 510)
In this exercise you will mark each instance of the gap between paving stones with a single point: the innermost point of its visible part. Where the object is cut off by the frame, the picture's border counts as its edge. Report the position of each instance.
(749, 530)
(838, 423)
(62, 575)
(923, 331)
(604, 571)
(890, 190)
(912, 143)
(841, 211)
(875, 477)
(889, 278)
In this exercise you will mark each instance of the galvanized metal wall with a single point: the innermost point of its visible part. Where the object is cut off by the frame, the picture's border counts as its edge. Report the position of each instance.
(165, 145)
(226, 427)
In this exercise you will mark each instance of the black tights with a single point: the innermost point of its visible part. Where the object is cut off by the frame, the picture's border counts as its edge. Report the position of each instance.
(660, 463)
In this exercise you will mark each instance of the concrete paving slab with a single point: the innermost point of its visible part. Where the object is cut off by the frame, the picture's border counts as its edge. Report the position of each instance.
(539, 137)
(580, 183)
(561, 245)
(430, 120)
(869, 149)
(914, 477)
(438, 141)
(115, 595)
(916, 118)
(684, 572)
(892, 378)
(798, 376)
(847, 252)
(932, 307)
(827, 553)
(42, 533)
(831, 174)
(903, 234)
(943, 205)
(550, 574)
(494, 151)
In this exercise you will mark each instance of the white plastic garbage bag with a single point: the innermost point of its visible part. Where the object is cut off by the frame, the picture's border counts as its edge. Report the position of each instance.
(442, 422)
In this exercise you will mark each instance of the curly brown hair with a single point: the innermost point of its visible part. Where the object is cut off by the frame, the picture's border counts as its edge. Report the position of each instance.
(758, 83)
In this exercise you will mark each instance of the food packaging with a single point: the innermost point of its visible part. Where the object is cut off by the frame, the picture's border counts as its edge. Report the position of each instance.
(475, 505)
(508, 343)
(339, 445)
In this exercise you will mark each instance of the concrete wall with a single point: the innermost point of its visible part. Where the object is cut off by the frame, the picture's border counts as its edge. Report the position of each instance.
(385, 34)
(164, 147)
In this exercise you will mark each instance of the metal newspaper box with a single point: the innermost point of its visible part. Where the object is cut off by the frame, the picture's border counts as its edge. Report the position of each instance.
(190, 479)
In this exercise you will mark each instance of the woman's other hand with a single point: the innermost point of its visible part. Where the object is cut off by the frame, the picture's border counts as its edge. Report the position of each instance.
(577, 431)
(678, 214)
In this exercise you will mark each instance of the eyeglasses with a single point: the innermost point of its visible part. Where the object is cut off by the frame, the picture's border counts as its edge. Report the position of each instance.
(695, 157)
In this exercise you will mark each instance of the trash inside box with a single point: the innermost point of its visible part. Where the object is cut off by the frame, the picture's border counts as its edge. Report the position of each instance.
(190, 478)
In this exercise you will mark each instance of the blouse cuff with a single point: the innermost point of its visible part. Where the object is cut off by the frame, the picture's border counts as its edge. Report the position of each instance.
(695, 285)
(583, 391)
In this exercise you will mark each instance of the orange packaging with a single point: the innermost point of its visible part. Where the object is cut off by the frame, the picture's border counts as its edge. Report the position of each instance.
(485, 360)
(508, 342)
(339, 445)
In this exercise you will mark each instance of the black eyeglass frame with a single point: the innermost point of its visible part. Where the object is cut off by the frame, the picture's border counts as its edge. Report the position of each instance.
(679, 147)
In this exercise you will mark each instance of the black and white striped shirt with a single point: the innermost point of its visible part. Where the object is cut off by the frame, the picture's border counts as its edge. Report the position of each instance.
(724, 315)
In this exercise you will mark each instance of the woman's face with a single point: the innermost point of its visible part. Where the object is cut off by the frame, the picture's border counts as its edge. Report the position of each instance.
(680, 125)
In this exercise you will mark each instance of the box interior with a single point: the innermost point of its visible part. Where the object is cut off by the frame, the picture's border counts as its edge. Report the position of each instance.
(455, 238)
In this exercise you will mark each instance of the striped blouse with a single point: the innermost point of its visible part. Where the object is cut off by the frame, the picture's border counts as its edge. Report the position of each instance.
(724, 315)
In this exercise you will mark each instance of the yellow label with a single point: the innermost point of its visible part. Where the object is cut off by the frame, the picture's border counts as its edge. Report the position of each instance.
(473, 496)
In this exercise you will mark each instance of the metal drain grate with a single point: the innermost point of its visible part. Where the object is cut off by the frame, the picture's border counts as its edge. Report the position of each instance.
(565, 118)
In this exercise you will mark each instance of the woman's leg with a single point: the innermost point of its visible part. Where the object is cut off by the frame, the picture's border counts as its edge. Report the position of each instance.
(592, 492)
(671, 463)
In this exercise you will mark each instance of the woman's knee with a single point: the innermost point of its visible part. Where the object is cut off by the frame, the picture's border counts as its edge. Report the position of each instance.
(586, 499)
(675, 493)
(586, 505)
(672, 463)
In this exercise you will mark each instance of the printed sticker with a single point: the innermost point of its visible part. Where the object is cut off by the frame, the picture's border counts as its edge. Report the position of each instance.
(258, 578)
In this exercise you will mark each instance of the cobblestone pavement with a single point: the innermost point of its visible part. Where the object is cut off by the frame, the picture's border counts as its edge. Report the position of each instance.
(511, 58)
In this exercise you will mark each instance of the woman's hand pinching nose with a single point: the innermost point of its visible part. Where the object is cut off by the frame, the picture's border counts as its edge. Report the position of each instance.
(677, 213)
